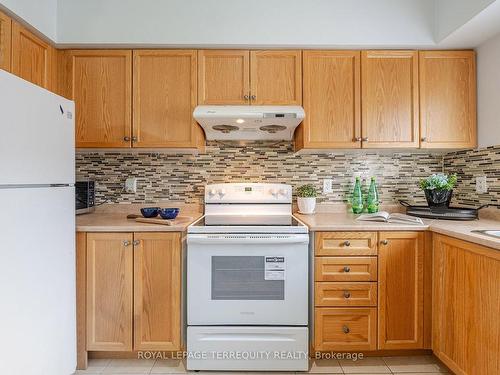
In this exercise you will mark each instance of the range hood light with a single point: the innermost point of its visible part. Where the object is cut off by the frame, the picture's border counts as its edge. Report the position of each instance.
(240, 121)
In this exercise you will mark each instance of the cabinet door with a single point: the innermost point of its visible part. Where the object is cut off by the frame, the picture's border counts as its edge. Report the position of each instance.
(276, 77)
(331, 100)
(5, 42)
(223, 77)
(164, 98)
(157, 291)
(109, 291)
(31, 56)
(466, 295)
(448, 99)
(400, 297)
(390, 99)
(101, 89)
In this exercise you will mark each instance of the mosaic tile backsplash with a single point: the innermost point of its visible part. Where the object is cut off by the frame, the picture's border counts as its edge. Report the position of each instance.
(183, 177)
(468, 165)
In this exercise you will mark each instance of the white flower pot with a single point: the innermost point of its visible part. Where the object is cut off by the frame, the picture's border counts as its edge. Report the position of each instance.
(306, 205)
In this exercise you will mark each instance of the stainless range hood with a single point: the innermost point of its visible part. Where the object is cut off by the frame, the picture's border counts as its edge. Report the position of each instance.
(247, 123)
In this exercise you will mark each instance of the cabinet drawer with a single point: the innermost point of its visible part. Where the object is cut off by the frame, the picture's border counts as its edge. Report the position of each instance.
(345, 243)
(345, 268)
(345, 294)
(342, 329)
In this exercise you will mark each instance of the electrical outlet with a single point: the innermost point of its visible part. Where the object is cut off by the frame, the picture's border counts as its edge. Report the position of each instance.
(481, 185)
(131, 185)
(327, 186)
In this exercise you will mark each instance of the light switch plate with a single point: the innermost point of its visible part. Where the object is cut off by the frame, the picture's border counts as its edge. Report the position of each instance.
(327, 186)
(481, 185)
(131, 185)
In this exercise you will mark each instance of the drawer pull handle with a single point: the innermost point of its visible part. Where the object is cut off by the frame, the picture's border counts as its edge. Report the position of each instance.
(347, 243)
(384, 242)
(347, 294)
(347, 269)
(346, 329)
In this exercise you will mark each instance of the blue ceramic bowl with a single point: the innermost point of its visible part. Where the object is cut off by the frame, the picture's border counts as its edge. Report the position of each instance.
(169, 213)
(150, 211)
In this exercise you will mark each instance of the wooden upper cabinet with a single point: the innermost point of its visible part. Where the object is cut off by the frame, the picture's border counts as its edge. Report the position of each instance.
(31, 57)
(276, 77)
(165, 96)
(109, 291)
(5, 42)
(101, 88)
(390, 99)
(331, 85)
(448, 99)
(223, 77)
(400, 294)
(157, 291)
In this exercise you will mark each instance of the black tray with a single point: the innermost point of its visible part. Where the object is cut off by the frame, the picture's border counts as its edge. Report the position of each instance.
(443, 213)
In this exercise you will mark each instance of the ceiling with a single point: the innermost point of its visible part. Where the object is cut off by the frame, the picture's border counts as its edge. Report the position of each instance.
(262, 23)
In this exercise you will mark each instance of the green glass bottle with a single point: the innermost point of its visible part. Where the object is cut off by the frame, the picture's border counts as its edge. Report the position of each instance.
(357, 197)
(372, 200)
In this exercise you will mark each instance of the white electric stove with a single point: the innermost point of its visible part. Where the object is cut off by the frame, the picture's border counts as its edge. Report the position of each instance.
(247, 281)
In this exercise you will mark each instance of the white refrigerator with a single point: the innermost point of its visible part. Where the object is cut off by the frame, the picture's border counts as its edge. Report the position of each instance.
(37, 230)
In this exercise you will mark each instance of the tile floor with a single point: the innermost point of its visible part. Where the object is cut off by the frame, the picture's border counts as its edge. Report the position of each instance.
(423, 365)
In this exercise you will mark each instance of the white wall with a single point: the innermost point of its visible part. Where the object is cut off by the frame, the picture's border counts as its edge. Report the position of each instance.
(488, 83)
(452, 14)
(306, 23)
(41, 14)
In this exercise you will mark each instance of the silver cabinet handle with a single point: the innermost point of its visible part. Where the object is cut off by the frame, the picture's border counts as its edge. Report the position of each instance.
(137, 242)
(364, 139)
(126, 243)
(134, 139)
(347, 243)
(126, 139)
(347, 269)
(254, 97)
(357, 139)
(246, 97)
(346, 329)
(347, 294)
(423, 139)
(384, 242)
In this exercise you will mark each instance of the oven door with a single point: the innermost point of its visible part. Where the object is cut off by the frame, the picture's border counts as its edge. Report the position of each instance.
(247, 279)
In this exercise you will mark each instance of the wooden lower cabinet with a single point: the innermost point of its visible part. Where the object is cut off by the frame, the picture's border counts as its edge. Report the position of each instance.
(157, 286)
(133, 291)
(400, 285)
(466, 295)
(342, 329)
(375, 298)
(109, 291)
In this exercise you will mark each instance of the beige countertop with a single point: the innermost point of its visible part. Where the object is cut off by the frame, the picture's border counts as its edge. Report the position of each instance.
(343, 221)
(113, 218)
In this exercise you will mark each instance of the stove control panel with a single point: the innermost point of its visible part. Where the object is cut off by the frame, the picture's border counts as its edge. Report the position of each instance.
(248, 193)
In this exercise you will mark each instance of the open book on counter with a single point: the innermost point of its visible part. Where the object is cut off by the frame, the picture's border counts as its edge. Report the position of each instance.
(395, 218)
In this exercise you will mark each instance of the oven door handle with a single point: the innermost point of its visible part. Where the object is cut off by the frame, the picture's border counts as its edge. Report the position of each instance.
(250, 239)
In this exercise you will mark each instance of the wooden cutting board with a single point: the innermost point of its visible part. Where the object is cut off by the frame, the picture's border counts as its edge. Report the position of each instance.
(156, 220)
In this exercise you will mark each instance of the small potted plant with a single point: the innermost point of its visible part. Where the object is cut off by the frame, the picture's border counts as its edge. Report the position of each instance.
(438, 189)
(306, 198)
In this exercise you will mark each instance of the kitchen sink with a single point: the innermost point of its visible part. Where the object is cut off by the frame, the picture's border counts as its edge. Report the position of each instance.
(490, 232)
